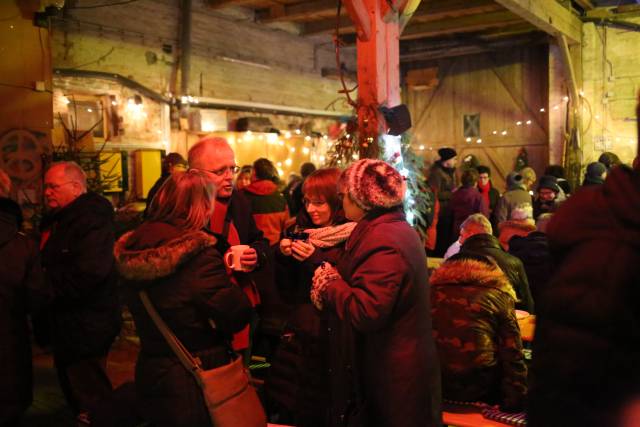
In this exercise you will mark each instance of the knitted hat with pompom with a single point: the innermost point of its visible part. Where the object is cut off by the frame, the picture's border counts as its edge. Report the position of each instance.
(374, 184)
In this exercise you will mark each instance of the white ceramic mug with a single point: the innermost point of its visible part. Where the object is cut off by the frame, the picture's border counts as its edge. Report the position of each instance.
(232, 257)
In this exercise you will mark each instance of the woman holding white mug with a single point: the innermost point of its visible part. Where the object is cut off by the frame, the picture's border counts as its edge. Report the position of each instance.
(179, 263)
(297, 382)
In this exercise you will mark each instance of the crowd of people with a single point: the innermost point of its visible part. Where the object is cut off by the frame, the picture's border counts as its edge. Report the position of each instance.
(327, 279)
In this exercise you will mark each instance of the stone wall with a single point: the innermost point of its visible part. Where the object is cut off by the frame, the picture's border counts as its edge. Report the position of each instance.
(611, 82)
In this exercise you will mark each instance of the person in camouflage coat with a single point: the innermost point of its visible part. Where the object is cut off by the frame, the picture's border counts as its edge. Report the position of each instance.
(476, 333)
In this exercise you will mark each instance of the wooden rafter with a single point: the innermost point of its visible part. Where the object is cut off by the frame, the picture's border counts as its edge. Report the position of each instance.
(549, 16)
(585, 4)
(427, 12)
(435, 11)
(299, 11)
(464, 24)
(426, 50)
(217, 4)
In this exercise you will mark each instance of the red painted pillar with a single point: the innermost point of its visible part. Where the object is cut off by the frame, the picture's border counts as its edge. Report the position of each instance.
(378, 46)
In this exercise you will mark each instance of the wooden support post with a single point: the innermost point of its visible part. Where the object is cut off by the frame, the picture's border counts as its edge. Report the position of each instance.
(378, 67)
(573, 148)
(568, 62)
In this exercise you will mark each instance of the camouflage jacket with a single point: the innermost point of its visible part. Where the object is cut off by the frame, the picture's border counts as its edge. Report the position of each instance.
(477, 335)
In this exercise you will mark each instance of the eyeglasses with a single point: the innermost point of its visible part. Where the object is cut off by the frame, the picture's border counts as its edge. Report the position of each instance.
(223, 170)
(54, 187)
(316, 203)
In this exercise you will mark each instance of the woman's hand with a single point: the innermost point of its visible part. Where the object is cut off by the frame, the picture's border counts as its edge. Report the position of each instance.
(285, 247)
(322, 278)
(302, 250)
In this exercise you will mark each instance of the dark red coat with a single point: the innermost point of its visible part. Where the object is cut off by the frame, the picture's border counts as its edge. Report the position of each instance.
(464, 202)
(586, 361)
(384, 363)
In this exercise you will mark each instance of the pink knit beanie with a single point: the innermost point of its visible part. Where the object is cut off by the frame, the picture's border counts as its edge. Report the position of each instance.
(374, 184)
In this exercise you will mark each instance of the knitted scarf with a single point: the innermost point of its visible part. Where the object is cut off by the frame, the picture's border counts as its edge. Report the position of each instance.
(327, 237)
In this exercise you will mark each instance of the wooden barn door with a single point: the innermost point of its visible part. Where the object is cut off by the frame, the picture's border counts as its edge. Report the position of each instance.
(505, 100)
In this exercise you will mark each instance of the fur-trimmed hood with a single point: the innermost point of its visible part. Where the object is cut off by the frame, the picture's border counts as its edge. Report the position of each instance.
(471, 272)
(526, 226)
(160, 261)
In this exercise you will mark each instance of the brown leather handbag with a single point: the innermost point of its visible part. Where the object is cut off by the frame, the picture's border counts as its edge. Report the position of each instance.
(231, 399)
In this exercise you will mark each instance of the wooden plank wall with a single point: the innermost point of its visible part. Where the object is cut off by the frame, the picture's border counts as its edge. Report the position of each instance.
(503, 88)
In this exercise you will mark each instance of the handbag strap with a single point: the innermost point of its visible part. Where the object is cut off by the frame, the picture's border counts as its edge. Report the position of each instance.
(191, 364)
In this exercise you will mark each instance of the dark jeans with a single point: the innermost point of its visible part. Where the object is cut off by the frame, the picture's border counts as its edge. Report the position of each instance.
(84, 382)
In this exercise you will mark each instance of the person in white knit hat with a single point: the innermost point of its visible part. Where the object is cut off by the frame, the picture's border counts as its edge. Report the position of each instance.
(384, 369)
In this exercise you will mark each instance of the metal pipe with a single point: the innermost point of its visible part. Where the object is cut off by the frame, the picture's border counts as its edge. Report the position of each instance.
(185, 47)
(203, 102)
(124, 81)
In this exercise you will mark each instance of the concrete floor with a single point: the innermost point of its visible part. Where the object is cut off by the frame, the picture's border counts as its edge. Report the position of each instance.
(49, 408)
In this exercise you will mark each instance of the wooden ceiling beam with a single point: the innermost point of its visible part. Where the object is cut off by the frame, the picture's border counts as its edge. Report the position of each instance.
(432, 10)
(464, 24)
(549, 16)
(299, 11)
(586, 5)
(218, 4)
(425, 50)
(435, 11)
(328, 26)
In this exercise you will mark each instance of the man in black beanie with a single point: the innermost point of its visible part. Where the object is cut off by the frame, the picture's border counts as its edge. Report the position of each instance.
(595, 174)
(547, 192)
(442, 179)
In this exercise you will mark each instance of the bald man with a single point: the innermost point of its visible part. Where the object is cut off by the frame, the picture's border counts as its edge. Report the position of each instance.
(77, 257)
(232, 218)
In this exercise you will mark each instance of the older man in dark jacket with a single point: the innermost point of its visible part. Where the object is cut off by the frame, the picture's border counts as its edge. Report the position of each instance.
(587, 343)
(77, 257)
(476, 238)
(233, 220)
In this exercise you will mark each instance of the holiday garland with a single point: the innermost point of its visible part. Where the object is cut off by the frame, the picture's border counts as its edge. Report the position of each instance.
(419, 201)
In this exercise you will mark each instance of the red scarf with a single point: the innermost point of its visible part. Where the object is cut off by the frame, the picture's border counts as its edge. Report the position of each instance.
(484, 190)
(240, 339)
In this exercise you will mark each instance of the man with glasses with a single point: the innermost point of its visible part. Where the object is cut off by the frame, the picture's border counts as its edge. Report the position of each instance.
(77, 259)
(232, 217)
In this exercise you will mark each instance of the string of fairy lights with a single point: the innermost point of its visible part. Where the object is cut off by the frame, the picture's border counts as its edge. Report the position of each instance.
(602, 130)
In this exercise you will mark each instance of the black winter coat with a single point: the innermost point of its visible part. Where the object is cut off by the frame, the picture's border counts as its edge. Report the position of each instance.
(22, 289)
(587, 342)
(297, 379)
(185, 278)
(384, 368)
(443, 181)
(78, 263)
(533, 251)
(488, 245)
(477, 334)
